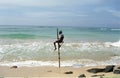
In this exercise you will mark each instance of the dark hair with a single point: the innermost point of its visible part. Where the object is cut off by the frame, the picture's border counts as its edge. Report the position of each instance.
(60, 32)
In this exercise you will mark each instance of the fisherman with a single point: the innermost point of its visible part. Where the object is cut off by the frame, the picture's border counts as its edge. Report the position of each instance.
(59, 41)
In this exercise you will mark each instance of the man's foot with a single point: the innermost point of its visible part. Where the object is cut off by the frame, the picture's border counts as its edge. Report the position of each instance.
(59, 46)
(55, 49)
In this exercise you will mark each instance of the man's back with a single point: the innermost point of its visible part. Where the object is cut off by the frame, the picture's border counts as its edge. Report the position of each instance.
(61, 38)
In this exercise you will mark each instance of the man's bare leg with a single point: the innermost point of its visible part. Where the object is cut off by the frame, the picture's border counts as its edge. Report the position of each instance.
(55, 46)
(59, 45)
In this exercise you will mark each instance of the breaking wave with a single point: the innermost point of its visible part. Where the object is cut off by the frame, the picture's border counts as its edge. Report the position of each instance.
(19, 52)
(73, 63)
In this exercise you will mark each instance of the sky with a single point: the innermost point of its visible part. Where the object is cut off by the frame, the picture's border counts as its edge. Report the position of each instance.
(60, 12)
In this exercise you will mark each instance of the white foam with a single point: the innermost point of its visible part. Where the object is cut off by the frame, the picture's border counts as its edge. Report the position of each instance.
(30, 63)
(1, 50)
(115, 29)
(38, 63)
(40, 50)
(36, 46)
(116, 44)
(74, 63)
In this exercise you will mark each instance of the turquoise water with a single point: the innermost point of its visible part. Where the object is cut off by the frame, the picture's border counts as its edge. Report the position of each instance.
(83, 46)
(49, 32)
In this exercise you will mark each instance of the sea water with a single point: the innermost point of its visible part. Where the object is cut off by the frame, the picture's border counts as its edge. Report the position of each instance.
(28, 45)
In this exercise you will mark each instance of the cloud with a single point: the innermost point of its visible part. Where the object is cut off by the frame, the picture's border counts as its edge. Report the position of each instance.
(28, 2)
(62, 6)
(115, 13)
(51, 14)
(46, 3)
(67, 12)
(46, 8)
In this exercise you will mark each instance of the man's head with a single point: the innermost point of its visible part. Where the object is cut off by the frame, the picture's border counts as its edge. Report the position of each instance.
(60, 32)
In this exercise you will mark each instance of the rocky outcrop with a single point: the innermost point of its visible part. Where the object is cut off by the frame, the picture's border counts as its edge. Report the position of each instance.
(14, 67)
(95, 70)
(69, 72)
(82, 76)
(107, 69)
(117, 70)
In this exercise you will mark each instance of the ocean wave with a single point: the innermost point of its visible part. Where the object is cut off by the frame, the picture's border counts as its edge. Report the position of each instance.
(40, 50)
(19, 36)
(74, 63)
(115, 44)
(115, 29)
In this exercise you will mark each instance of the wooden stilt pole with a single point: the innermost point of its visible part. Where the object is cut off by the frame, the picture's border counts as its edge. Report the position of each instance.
(58, 48)
(59, 56)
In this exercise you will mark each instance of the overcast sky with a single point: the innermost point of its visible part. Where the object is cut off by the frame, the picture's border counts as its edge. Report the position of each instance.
(60, 12)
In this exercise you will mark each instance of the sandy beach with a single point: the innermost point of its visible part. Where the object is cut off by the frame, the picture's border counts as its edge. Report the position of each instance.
(53, 72)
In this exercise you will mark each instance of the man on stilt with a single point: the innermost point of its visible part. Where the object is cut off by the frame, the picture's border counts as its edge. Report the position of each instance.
(59, 40)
